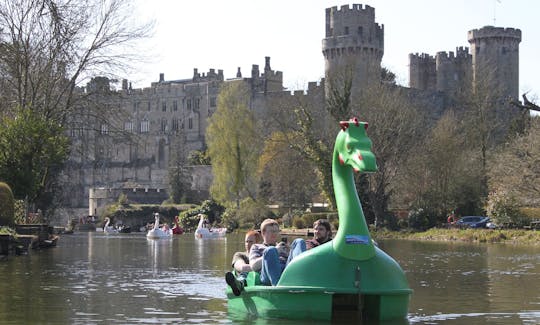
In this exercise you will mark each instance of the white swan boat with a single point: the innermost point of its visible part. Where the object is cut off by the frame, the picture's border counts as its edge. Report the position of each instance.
(156, 232)
(109, 229)
(203, 231)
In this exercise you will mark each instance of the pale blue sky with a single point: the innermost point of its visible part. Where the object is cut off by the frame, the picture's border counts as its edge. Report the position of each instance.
(228, 34)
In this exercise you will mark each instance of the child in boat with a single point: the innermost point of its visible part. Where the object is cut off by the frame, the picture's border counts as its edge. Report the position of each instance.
(269, 258)
(322, 233)
(240, 263)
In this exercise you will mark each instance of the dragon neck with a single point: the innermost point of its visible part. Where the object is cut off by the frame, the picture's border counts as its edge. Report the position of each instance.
(352, 239)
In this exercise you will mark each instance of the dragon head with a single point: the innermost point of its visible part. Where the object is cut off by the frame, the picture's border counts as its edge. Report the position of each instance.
(354, 146)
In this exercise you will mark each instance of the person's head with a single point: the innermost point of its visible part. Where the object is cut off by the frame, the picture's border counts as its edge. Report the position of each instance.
(252, 237)
(322, 231)
(270, 231)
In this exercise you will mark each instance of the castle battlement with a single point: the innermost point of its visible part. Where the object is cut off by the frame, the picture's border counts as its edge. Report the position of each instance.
(461, 53)
(345, 9)
(494, 32)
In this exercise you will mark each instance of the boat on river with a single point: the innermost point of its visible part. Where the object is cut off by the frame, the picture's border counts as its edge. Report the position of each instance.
(156, 232)
(204, 231)
(346, 276)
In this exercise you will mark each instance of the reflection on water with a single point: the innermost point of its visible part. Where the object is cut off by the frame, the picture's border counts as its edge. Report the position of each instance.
(95, 278)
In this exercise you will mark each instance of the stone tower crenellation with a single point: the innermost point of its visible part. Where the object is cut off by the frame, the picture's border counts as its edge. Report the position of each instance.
(495, 56)
(353, 39)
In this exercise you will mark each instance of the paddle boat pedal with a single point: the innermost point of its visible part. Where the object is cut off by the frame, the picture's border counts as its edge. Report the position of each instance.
(347, 278)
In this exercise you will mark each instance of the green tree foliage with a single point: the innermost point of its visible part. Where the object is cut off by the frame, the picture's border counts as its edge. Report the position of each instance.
(233, 145)
(47, 49)
(7, 205)
(32, 152)
(291, 179)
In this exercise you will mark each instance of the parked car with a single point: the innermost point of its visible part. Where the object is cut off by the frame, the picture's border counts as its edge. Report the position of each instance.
(473, 222)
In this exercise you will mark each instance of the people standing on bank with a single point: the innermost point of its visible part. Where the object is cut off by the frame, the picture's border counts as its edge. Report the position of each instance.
(322, 233)
(269, 258)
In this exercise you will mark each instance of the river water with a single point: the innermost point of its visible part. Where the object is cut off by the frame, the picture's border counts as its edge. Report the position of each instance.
(95, 278)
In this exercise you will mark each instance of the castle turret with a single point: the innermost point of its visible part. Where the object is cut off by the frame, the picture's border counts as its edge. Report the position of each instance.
(495, 58)
(453, 70)
(422, 71)
(353, 41)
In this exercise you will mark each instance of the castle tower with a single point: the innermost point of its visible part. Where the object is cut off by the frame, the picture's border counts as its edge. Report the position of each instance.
(422, 71)
(453, 71)
(495, 57)
(353, 41)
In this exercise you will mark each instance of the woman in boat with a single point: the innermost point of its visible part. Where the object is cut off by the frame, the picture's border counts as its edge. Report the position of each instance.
(240, 263)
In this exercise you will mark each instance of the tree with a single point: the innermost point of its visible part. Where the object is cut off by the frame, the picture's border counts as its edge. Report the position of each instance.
(47, 49)
(233, 145)
(31, 150)
(515, 167)
(290, 177)
(7, 205)
(396, 127)
(179, 175)
(441, 172)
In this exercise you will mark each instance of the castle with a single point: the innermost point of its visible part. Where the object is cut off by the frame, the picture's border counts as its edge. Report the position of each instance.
(171, 116)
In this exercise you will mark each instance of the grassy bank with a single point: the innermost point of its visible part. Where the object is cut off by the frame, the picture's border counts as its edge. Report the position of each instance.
(513, 236)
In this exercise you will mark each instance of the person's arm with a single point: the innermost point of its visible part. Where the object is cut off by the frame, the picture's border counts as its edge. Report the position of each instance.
(240, 262)
(241, 266)
(255, 258)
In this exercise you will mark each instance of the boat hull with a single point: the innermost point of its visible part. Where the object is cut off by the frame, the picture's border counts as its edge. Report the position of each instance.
(320, 284)
(318, 304)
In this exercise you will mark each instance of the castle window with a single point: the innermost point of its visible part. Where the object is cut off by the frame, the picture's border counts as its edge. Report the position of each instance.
(175, 124)
(128, 126)
(360, 31)
(104, 129)
(164, 107)
(163, 125)
(346, 30)
(504, 50)
(478, 50)
(145, 126)
(175, 105)
(197, 103)
(189, 104)
(149, 106)
(213, 102)
(190, 123)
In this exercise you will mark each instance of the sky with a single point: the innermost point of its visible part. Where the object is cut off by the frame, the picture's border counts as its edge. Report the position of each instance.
(227, 34)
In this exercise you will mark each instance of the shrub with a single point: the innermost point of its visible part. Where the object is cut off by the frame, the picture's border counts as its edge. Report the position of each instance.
(503, 208)
(7, 205)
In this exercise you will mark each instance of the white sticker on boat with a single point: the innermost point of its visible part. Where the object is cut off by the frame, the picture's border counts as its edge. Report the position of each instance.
(357, 239)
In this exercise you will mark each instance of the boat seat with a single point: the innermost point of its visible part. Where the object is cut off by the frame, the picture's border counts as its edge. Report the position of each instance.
(253, 279)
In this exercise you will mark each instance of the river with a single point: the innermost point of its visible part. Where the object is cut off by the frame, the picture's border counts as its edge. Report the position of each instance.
(95, 278)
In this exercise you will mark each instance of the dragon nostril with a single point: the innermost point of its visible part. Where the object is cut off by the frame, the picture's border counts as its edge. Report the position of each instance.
(360, 156)
(341, 161)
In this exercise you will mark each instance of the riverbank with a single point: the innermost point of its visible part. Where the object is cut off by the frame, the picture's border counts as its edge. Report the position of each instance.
(512, 236)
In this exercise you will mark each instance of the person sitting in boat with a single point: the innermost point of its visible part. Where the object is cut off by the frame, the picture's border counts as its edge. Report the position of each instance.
(240, 263)
(322, 233)
(269, 258)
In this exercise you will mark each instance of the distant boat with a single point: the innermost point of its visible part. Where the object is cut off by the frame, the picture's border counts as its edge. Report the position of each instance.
(156, 232)
(204, 232)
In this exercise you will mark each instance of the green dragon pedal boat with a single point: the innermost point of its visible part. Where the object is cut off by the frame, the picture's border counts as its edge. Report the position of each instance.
(346, 277)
